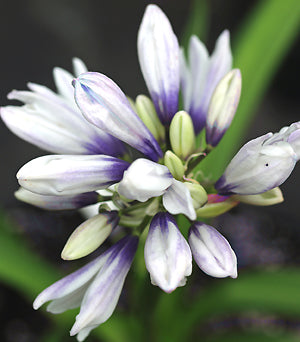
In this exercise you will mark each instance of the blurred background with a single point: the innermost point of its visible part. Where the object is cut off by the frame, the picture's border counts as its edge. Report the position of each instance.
(37, 35)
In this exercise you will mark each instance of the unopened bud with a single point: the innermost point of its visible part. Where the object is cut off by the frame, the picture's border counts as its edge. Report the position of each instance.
(182, 135)
(198, 194)
(174, 164)
(147, 113)
(223, 105)
(212, 252)
(90, 235)
(273, 196)
(216, 205)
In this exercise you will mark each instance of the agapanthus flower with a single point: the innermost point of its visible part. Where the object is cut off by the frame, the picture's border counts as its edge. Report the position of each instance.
(137, 160)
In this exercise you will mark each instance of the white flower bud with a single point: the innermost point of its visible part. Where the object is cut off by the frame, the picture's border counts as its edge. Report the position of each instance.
(212, 251)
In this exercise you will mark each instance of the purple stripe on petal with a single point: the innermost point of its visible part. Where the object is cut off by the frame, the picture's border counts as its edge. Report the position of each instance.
(69, 175)
(260, 165)
(211, 251)
(55, 202)
(104, 143)
(104, 104)
(158, 52)
(103, 294)
(167, 254)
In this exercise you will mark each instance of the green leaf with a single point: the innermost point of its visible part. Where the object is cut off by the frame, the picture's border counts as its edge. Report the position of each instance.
(19, 266)
(196, 23)
(262, 43)
(275, 292)
(266, 336)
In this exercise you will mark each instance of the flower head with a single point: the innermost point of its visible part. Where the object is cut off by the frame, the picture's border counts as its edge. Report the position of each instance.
(137, 161)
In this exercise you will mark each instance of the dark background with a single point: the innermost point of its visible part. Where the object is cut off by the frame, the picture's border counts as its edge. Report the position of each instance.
(37, 35)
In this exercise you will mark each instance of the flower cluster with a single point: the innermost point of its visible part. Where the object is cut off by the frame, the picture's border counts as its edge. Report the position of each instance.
(137, 160)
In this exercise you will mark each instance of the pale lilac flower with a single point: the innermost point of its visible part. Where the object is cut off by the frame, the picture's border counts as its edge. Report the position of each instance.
(57, 203)
(145, 179)
(212, 251)
(158, 52)
(70, 174)
(104, 104)
(53, 122)
(201, 73)
(222, 107)
(167, 254)
(101, 140)
(262, 164)
(95, 287)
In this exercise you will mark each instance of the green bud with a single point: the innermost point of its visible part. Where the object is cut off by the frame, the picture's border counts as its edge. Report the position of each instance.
(147, 113)
(213, 209)
(198, 194)
(174, 164)
(182, 135)
(89, 235)
(132, 103)
(273, 196)
(222, 107)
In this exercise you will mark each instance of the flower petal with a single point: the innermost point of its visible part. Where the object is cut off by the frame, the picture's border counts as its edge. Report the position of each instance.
(178, 200)
(158, 52)
(55, 124)
(223, 105)
(145, 179)
(40, 132)
(205, 74)
(193, 76)
(63, 81)
(78, 66)
(104, 104)
(68, 174)
(168, 257)
(73, 283)
(103, 294)
(258, 166)
(57, 203)
(212, 251)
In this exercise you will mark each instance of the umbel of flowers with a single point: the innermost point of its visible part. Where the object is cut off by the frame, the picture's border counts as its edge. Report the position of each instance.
(137, 160)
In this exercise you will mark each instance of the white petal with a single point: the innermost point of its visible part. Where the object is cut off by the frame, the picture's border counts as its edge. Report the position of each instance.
(104, 104)
(223, 105)
(167, 254)
(145, 179)
(67, 175)
(73, 283)
(158, 52)
(212, 251)
(63, 80)
(178, 200)
(79, 66)
(193, 83)
(40, 131)
(258, 167)
(55, 202)
(103, 294)
(219, 65)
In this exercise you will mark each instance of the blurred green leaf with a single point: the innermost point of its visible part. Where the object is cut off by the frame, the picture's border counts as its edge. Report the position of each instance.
(196, 23)
(275, 292)
(20, 267)
(269, 336)
(263, 41)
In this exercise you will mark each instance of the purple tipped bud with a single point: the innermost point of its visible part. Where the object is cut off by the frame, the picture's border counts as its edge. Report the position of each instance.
(212, 251)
